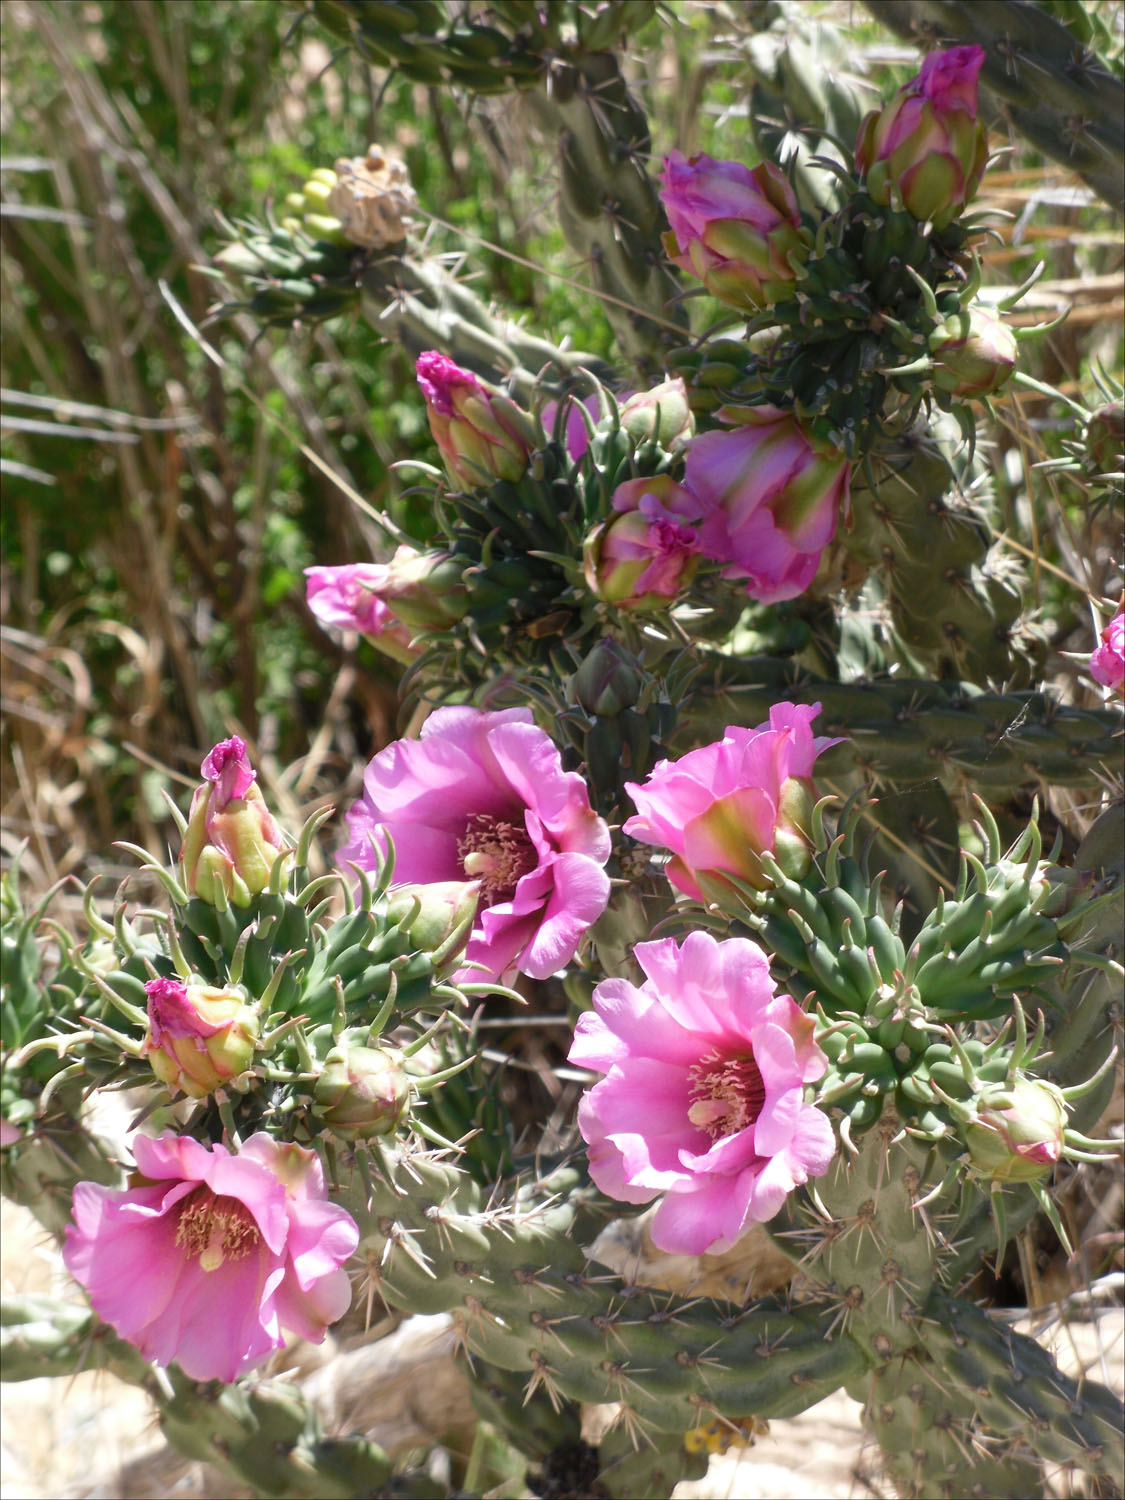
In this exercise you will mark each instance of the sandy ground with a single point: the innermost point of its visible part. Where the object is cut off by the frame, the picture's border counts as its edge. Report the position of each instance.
(65, 1440)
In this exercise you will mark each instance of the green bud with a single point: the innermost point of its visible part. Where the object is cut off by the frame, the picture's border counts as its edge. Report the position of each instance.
(362, 1092)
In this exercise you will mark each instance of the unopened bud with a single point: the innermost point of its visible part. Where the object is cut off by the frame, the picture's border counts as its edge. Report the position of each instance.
(435, 912)
(974, 352)
(231, 839)
(1018, 1133)
(362, 1092)
(199, 1037)
(662, 415)
(607, 682)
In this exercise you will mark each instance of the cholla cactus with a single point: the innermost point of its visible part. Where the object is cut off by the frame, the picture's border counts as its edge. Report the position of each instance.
(606, 803)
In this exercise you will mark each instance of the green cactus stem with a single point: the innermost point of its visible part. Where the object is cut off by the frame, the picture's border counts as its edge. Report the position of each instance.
(904, 730)
(1056, 92)
(611, 212)
(263, 1433)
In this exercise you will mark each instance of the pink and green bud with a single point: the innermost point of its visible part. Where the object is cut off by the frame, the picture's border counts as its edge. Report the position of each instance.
(435, 912)
(362, 1092)
(199, 1038)
(927, 143)
(425, 590)
(231, 841)
(1107, 664)
(770, 497)
(661, 415)
(482, 435)
(974, 353)
(647, 554)
(1018, 1133)
(738, 230)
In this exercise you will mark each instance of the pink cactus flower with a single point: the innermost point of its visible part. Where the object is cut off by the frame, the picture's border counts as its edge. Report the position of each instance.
(482, 435)
(350, 597)
(231, 839)
(770, 498)
(719, 808)
(1107, 664)
(214, 1253)
(734, 228)
(648, 553)
(927, 142)
(483, 797)
(703, 1094)
(575, 434)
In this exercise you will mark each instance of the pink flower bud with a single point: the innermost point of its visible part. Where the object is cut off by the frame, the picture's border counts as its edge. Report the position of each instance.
(362, 1092)
(770, 497)
(927, 142)
(649, 552)
(1018, 1133)
(231, 839)
(974, 353)
(1107, 664)
(736, 229)
(199, 1037)
(482, 435)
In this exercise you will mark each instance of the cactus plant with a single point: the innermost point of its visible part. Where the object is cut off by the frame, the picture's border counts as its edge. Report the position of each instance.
(878, 1023)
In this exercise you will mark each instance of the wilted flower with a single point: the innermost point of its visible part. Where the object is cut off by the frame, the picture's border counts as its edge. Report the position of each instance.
(213, 1253)
(975, 353)
(1107, 664)
(703, 1094)
(927, 142)
(719, 808)
(1105, 438)
(734, 228)
(483, 797)
(231, 841)
(425, 590)
(1017, 1135)
(482, 435)
(648, 553)
(198, 1037)
(362, 1091)
(770, 498)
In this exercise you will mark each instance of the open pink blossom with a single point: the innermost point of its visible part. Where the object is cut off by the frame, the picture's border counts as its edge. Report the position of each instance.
(1107, 664)
(483, 796)
(703, 1094)
(719, 808)
(214, 1253)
